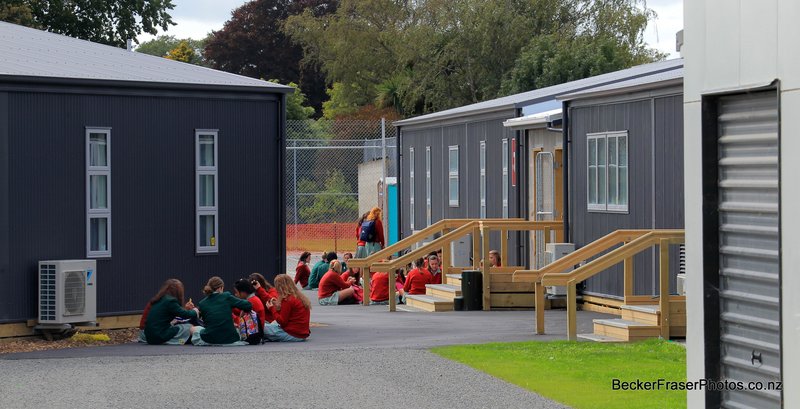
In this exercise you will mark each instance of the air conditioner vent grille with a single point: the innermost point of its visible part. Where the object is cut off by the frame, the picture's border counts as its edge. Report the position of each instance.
(47, 298)
(74, 293)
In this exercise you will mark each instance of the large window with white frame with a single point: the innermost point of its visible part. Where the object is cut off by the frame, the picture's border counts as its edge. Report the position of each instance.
(505, 178)
(428, 207)
(607, 171)
(482, 161)
(98, 192)
(207, 183)
(452, 177)
(411, 186)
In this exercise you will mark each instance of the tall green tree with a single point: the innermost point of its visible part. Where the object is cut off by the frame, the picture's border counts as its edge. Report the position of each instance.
(252, 44)
(430, 55)
(110, 22)
(163, 44)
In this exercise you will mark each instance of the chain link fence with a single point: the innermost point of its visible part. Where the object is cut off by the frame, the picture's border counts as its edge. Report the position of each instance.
(333, 173)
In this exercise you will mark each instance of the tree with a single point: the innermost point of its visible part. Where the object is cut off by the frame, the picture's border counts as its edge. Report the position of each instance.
(110, 22)
(182, 52)
(162, 45)
(296, 108)
(17, 12)
(252, 44)
(332, 204)
(431, 55)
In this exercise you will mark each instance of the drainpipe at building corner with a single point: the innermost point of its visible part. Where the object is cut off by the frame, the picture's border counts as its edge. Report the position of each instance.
(565, 163)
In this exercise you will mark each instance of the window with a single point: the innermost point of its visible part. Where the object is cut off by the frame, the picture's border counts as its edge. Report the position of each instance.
(483, 179)
(207, 191)
(98, 192)
(428, 185)
(453, 175)
(505, 178)
(411, 186)
(607, 171)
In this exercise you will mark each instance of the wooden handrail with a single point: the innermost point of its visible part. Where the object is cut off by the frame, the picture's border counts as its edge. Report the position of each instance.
(611, 258)
(408, 241)
(634, 242)
(584, 253)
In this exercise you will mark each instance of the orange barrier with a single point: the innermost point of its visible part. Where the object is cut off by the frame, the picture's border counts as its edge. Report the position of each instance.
(339, 237)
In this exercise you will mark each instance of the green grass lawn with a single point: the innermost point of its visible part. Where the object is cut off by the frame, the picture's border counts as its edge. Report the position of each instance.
(581, 374)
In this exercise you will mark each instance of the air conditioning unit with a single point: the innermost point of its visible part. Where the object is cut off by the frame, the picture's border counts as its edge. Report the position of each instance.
(67, 291)
(681, 284)
(553, 252)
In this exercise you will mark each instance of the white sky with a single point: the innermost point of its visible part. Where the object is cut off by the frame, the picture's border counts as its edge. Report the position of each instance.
(196, 18)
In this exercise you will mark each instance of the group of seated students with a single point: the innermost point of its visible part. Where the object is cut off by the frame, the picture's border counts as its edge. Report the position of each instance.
(256, 312)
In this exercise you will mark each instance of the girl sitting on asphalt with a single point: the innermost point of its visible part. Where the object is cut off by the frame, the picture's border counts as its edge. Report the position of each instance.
(302, 272)
(216, 310)
(265, 292)
(292, 312)
(333, 290)
(163, 308)
(243, 289)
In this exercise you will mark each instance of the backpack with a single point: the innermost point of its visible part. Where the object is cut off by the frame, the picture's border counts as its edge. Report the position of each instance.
(250, 327)
(367, 231)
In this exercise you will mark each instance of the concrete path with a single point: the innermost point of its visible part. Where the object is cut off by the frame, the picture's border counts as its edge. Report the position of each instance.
(361, 356)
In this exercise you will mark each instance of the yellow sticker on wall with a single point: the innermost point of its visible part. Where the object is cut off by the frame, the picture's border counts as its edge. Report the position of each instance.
(213, 241)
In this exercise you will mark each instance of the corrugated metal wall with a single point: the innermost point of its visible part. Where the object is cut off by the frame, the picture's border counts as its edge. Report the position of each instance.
(153, 192)
(655, 160)
(468, 137)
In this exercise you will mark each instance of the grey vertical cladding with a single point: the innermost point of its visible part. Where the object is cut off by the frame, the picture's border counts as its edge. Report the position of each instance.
(652, 186)
(153, 192)
(467, 135)
(6, 291)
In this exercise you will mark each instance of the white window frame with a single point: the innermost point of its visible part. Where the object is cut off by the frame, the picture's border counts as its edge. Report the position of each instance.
(453, 175)
(428, 207)
(98, 213)
(411, 186)
(206, 210)
(483, 178)
(605, 205)
(505, 178)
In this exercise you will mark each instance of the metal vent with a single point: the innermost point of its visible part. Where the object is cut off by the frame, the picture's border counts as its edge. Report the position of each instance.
(74, 293)
(682, 259)
(47, 292)
(545, 202)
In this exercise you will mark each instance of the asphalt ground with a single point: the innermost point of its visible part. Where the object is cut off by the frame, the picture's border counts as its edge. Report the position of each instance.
(358, 356)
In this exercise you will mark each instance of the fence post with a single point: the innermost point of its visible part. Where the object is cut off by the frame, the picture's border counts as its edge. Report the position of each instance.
(365, 274)
(445, 261)
(383, 179)
(539, 307)
(572, 314)
(487, 276)
(392, 290)
(628, 278)
(294, 185)
(335, 239)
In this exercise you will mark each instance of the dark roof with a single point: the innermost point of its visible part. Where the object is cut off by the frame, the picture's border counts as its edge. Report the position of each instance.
(36, 55)
(548, 93)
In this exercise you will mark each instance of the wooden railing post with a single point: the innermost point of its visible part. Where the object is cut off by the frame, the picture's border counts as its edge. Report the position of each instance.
(476, 248)
(663, 297)
(487, 278)
(504, 246)
(392, 291)
(628, 278)
(445, 261)
(365, 274)
(572, 312)
(539, 308)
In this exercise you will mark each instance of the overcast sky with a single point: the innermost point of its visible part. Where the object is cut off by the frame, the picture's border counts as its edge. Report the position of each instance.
(196, 18)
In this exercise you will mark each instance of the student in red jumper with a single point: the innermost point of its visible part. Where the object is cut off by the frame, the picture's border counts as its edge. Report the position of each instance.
(494, 259)
(244, 290)
(417, 279)
(434, 269)
(376, 241)
(264, 291)
(292, 312)
(302, 271)
(333, 290)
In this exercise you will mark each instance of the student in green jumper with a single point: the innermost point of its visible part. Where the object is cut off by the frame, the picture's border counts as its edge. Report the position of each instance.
(216, 310)
(319, 270)
(164, 308)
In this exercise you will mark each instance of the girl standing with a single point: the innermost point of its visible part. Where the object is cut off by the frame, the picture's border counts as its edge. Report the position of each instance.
(302, 271)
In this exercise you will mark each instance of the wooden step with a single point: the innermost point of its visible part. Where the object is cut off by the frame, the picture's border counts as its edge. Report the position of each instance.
(429, 303)
(454, 279)
(625, 329)
(651, 314)
(600, 338)
(446, 291)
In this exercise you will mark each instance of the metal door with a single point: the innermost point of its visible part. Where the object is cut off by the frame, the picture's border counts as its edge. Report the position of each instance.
(749, 247)
(545, 200)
